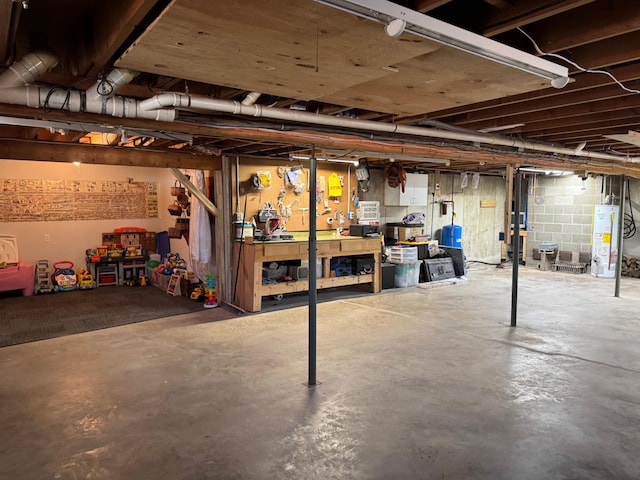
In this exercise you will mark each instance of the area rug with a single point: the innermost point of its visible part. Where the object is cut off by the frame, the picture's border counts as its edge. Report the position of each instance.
(27, 319)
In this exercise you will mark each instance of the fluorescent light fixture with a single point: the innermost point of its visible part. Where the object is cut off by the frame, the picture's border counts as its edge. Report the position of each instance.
(354, 161)
(388, 156)
(546, 171)
(392, 16)
(501, 127)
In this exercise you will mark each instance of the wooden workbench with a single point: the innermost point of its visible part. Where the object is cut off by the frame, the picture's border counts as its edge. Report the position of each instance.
(254, 254)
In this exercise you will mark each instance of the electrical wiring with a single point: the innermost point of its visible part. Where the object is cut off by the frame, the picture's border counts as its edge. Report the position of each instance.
(629, 222)
(582, 69)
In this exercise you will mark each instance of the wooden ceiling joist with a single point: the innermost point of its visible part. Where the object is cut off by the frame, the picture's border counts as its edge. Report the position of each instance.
(568, 30)
(523, 13)
(103, 155)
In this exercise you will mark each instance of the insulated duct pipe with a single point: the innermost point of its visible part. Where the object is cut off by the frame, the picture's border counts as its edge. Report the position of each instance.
(112, 83)
(251, 98)
(27, 69)
(75, 101)
(180, 100)
(16, 89)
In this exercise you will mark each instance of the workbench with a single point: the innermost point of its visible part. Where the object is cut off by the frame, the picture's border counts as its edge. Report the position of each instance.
(250, 288)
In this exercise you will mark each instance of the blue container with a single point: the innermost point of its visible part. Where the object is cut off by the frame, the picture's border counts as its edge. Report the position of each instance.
(452, 236)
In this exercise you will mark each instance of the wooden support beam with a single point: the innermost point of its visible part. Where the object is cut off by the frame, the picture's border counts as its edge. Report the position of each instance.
(111, 28)
(195, 191)
(12, 149)
(423, 6)
(523, 13)
(223, 261)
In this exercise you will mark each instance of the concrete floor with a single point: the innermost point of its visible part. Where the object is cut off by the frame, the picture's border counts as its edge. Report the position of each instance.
(418, 383)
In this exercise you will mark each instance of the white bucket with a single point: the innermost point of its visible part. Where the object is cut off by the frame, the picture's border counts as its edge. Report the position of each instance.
(243, 229)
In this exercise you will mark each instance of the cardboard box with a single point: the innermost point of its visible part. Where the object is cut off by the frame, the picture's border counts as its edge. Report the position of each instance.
(403, 232)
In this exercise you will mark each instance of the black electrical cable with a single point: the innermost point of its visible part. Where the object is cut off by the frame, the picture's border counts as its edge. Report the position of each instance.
(629, 222)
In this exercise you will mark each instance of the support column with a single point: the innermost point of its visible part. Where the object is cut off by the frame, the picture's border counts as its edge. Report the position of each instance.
(313, 292)
(516, 247)
(623, 194)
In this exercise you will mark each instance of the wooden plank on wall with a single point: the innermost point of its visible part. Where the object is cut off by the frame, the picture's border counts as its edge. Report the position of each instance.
(222, 265)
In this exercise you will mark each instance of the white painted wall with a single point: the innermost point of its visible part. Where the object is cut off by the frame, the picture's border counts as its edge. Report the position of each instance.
(70, 239)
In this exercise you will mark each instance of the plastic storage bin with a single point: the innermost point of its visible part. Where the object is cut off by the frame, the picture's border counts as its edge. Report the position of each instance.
(403, 255)
(407, 274)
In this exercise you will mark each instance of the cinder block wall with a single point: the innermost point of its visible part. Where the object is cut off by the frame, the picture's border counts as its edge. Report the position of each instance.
(560, 209)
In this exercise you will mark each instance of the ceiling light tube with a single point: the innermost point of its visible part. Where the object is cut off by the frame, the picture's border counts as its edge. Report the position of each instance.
(385, 12)
(355, 161)
(390, 156)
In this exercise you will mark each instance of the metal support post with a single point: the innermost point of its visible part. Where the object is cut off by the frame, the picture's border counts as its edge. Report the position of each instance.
(516, 248)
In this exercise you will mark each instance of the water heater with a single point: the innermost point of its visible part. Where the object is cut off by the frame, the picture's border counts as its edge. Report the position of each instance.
(605, 241)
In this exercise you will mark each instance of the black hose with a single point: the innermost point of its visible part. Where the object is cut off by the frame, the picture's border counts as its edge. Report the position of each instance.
(629, 222)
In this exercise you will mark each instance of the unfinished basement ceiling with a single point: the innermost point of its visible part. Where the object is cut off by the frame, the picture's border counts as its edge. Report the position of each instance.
(302, 55)
(309, 51)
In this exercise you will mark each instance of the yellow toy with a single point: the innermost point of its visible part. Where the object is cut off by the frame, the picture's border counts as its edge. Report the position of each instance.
(85, 279)
(197, 294)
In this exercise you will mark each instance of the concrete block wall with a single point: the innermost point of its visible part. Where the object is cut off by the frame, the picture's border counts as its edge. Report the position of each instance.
(560, 210)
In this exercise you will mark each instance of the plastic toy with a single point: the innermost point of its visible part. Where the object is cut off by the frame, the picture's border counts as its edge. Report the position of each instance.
(85, 279)
(43, 278)
(210, 300)
(64, 277)
(197, 294)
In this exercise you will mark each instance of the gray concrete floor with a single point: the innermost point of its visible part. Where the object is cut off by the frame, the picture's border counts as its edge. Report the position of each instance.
(417, 383)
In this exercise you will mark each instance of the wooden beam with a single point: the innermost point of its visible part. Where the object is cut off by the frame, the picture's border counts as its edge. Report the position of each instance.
(611, 51)
(587, 108)
(424, 6)
(195, 191)
(626, 73)
(542, 104)
(600, 20)
(523, 13)
(6, 14)
(110, 30)
(12, 149)
(498, 3)
(222, 260)
(303, 137)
